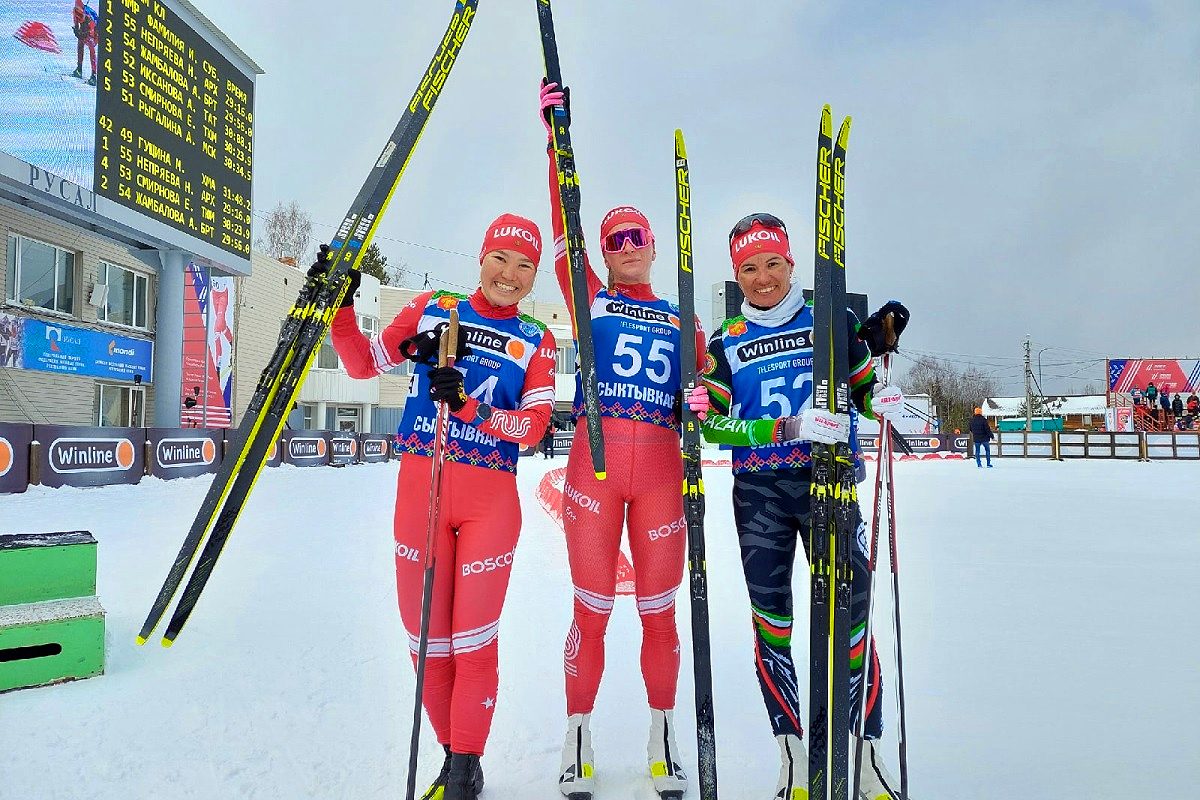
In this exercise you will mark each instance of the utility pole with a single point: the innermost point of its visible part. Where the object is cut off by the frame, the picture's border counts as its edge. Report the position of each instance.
(1028, 395)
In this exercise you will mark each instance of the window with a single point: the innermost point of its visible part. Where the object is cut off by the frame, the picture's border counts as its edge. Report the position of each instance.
(40, 275)
(347, 419)
(309, 410)
(120, 406)
(127, 296)
(327, 357)
(566, 359)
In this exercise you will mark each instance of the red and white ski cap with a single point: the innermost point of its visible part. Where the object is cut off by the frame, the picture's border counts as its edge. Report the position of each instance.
(620, 215)
(511, 232)
(760, 239)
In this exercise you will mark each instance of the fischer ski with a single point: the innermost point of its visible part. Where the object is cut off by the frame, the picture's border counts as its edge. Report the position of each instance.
(325, 297)
(693, 485)
(568, 192)
(834, 493)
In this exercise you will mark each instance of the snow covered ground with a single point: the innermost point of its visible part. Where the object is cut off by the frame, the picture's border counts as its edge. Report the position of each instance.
(1048, 621)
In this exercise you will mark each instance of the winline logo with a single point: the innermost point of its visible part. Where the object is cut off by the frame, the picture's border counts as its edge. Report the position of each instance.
(374, 447)
(343, 447)
(178, 453)
(306, 448)
(71, 456)
(8, 456)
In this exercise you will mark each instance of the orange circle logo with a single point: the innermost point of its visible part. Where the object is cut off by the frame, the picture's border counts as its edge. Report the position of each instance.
(515, 348)
(274, 451)
(209, 451)
(6, 456)
(674, 320)
(353, 447)
(447, 302)
(125, 454)
(320, 447)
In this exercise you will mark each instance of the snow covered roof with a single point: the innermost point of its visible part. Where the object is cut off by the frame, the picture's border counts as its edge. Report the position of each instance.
(1059, 405)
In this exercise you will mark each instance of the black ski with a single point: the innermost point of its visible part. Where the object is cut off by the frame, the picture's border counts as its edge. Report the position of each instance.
(833, 487)
(693, 485)
(568, 192)
(351, 240)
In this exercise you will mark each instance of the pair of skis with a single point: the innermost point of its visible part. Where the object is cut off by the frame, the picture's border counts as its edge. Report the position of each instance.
(834, 494)
(300, 337)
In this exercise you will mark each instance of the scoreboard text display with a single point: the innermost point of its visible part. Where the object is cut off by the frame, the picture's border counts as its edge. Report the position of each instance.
(174, 125)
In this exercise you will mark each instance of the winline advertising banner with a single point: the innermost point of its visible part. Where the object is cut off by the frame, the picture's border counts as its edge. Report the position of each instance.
(79, 456)
(14, 457)
(176, 453)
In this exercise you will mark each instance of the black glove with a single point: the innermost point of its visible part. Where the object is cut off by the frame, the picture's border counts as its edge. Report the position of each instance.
(321, 266)
(875, 332)
(446, 384)
(423, 348)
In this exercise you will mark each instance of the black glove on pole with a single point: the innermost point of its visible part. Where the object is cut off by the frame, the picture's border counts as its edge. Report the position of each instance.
(321, 266)
(882, 330)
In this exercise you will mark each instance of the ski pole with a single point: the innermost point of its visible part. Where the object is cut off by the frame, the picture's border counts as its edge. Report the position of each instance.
(448, 347)
(882, 465)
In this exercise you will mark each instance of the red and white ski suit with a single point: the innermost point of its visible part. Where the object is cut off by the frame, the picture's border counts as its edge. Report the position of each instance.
(642, 490)
(479, 515)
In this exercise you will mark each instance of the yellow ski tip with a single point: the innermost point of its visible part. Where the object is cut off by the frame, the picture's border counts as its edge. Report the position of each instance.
(827, 120)
(680, 149)
(844, 132)
(141, 640)
(601, 475)
(167, 642)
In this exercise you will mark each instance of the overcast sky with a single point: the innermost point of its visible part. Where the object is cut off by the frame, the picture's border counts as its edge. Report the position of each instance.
(1014, 168)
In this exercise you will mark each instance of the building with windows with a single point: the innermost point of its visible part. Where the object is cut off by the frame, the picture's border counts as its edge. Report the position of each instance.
(117, 218)
(77, 329)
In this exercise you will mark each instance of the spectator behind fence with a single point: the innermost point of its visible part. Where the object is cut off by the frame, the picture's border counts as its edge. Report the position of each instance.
(1177, 405)
(1151, 395)
(981, 432)
(1193, 404)
(1137, 396)
(1164, 400)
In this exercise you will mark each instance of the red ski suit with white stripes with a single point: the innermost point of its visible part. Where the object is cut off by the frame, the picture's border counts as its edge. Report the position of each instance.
(479, 515)
(637, 355)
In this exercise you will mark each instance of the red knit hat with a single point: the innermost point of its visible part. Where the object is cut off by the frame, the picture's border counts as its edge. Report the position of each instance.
(619, 215)
(510, 232)
(760, 239)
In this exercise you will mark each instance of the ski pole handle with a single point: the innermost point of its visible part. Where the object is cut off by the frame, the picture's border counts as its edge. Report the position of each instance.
(451, 340)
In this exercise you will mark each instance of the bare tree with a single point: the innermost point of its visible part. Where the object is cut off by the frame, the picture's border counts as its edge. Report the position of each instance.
(954, 394)
(287, 233)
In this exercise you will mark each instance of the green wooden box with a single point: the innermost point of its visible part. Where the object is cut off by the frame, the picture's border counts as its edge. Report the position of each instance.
(50, 642)
(35, 567)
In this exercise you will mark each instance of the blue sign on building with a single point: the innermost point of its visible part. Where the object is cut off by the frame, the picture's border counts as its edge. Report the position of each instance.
(50, 347)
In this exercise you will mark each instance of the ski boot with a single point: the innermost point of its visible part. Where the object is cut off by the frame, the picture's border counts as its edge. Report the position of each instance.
(668, 776)
(793, 772)
(78, 73)
(464, 781)
(575, 779)
(875, 782)
(92, 80)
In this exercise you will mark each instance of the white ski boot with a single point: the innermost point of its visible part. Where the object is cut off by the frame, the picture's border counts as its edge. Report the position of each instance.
(575, 779)
(793, 772)
(668, 776)
(875, 782)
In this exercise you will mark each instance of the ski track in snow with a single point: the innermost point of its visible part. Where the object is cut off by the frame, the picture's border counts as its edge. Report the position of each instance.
(1042, 604)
